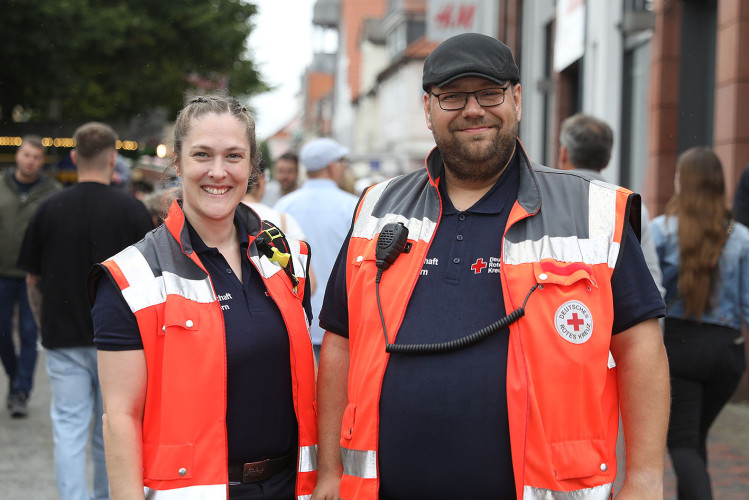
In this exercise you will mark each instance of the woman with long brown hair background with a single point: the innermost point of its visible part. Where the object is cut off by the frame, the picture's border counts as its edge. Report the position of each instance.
(704, 256)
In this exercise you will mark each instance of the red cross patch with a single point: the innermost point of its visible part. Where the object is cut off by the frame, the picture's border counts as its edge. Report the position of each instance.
(479, 266)
(574, 322)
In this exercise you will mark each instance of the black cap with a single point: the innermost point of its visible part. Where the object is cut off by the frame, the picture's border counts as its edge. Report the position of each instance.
(469, 54)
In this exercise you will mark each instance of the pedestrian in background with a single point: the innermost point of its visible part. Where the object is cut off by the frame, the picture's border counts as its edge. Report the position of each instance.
(22, 188)
(206, 365)
(585, 144)
(704, 255)
(490, 358)
(285, 178)
(286, 222)
(741, 198)
(324, 212)
(70, 231)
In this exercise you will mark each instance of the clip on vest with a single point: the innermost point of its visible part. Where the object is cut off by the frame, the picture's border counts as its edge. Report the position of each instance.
(267, 242)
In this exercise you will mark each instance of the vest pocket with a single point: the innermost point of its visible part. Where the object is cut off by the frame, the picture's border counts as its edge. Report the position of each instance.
(580, 458)
(347, 424)
(182, 318)
(564, 274)
(167, 461)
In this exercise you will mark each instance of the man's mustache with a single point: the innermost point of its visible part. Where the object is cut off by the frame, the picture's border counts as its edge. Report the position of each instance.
(462, 125)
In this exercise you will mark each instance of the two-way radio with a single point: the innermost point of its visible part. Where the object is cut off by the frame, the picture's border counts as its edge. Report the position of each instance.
(390, 244)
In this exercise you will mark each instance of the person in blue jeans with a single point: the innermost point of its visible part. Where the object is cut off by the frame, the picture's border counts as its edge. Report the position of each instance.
(22, 188)
(704, 256)
(69, 232)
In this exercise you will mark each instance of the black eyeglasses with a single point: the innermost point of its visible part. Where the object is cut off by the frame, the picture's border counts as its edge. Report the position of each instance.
(487, 98)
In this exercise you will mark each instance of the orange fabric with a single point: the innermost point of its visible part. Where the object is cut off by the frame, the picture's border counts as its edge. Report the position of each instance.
(184, 430)
(551, 382)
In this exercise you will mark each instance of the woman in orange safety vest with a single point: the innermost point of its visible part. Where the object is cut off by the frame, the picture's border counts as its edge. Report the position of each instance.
(205, 361)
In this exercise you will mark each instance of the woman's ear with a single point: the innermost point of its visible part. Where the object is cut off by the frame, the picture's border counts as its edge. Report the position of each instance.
(175, 163)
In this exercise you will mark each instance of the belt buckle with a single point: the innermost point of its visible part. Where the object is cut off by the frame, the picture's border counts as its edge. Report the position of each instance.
(254, 471)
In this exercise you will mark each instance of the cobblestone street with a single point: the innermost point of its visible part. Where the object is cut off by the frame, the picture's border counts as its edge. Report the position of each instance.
(27, 469)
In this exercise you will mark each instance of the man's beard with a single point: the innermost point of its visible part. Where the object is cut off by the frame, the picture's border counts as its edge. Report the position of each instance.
(477, 164)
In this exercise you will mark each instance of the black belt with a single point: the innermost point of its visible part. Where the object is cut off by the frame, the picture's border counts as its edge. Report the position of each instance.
(253, 472)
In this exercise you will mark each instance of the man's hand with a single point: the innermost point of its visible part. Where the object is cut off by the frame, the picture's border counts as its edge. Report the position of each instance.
(34, 292)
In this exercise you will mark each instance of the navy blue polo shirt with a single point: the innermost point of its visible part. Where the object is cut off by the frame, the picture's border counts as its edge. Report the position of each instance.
(444, 431)
(260, 418)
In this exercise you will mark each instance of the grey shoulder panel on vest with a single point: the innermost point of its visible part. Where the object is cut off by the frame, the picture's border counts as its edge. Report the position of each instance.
(409, 199)
(400, 197)
(567, 198)
(163, 254)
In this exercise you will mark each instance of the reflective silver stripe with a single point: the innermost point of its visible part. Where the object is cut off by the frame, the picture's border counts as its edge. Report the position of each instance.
(602, 492)
(368, 225)
(597, 248)
(133, 265)
(299, 259)
(268, 268)
(307, 458)
(146, 290)
(265, 266)
(201, 492)
(304, 497)
(602, 219)
(146, 293)
(564, 249)
(359, 463)
(373, 195)
(602, 210)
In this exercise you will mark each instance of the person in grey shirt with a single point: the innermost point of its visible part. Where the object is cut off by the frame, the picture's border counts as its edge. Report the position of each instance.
(585, 144)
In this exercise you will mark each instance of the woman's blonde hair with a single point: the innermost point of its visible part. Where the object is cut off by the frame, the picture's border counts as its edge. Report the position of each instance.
(704, 223)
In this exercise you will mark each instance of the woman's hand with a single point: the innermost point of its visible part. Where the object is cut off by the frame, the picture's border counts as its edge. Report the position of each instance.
(327, 487)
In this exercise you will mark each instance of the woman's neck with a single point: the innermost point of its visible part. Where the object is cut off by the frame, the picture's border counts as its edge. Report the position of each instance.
(217, 237)
(215, 234)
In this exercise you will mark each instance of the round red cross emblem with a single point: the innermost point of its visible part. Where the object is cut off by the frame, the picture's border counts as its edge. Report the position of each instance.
(574, 322)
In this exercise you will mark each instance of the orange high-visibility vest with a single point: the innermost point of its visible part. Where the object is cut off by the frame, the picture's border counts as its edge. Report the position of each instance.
(185, 452)
(563, 234)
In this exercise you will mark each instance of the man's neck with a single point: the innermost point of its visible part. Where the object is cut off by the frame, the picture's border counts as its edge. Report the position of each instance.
(465, 193)
(95, 176)
(25, 179)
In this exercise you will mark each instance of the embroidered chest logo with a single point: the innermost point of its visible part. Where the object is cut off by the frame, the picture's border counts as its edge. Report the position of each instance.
(224, 301)
(492, 266)
(574, 322)
(432, 262)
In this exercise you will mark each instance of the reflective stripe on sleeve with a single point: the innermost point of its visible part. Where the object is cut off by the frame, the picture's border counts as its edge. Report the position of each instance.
(359, 463)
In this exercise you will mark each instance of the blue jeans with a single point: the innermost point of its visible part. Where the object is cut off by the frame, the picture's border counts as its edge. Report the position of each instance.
(76, 398)
(19, 367)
